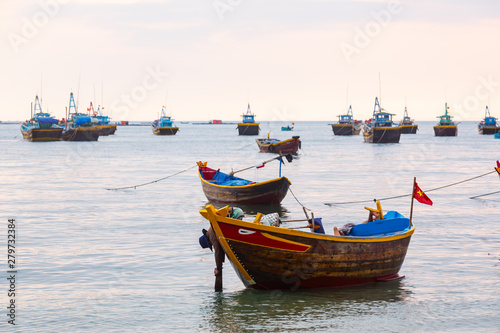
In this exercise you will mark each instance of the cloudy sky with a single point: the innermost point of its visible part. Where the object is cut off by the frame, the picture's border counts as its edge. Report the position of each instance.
(291, 59)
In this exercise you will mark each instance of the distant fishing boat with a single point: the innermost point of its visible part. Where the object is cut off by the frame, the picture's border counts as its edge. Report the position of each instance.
(347, 125)
(41, 126)
(287, 128)
(103, 122)
(164, 125)
(248, 126)
(273, 257)
(289, 146)
(489, 124)
(445, 126)
(407, 124)
(380, 128)
(497, 135)
(79, 126)
(223, 188)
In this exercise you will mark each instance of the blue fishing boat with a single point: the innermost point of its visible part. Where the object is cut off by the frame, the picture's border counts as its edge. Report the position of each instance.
(347, 125)
(79, 126)
(445, 126)
(287, 128)
(226, 188)
(380, 128)
(41, 126)
(248, 126)
(164, 125)
(489, 124)
(103, 122)
(407, 124)
(497, 135)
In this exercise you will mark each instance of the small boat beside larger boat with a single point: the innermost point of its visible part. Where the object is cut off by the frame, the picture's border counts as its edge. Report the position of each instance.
(290, 146)
(445, 126)
(79, 126)
(407, 124)
(103, 122)
(164, 125)
(489, 124)
(223, 188)
(346, 124)
(42, 126)
(381, 129)
(248, 126)
(272, 257)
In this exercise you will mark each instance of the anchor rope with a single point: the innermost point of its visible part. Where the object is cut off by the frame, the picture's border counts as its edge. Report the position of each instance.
(154, 181)
(406, 195)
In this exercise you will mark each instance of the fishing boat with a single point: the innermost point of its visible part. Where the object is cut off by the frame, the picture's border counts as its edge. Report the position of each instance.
(489, 124)
(103, 122)
(41, 126)
(164, 125)
(407, 124)
(248, 126)
(289, 146)
(79, 126)
(380, 128)
(346, 124)
(223, 188)
(497, 135)
(273, 257)
(287, 128)
(445, 126)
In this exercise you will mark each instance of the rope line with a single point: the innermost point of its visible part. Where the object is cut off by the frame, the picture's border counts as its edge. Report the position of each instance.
(483, 195)
(298, 199)
(407, 195)
(154, 181)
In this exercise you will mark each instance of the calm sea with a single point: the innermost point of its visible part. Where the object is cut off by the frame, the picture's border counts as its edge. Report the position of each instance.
(93, 260)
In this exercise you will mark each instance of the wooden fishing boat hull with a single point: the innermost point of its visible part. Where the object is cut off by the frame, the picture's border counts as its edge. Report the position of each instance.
(345, 129)
(290, 146)
(42, 134)
(81, 134)
(445, 130)
(409, 129)
(165, 130)
(488, 130)
(382, 135)
(267, 257)
(267, 193)
(248, 128)
(107, 130)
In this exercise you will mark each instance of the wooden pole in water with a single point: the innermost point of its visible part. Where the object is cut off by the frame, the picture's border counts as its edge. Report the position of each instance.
(412, 197)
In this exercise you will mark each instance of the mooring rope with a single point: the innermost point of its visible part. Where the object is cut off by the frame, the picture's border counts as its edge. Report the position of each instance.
(483, 195)
(289, 189)
(406, 195)
(154, 181)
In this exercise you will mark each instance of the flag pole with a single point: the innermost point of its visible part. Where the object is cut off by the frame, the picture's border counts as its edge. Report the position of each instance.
(412, 197)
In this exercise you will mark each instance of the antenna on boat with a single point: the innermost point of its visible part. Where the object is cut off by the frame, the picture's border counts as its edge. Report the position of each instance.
(78, 92)
(379, 89)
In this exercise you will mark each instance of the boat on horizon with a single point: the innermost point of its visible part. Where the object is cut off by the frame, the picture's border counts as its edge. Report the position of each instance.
(287, 128)
(273, 257)
(79, 126)
(445, 126)
(489, 124)
(248, 126)
(41, 126)
(346, 124)
(407, 124)
(164, 125)
(220, 187)
(103, 122)
(289, 146)
(380, 128)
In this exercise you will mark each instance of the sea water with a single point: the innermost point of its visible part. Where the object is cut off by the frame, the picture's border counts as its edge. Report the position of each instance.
(90, 259)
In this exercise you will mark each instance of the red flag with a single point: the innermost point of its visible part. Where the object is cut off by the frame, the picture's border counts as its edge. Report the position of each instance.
(260, 165)
(421, 196)
(498, 167)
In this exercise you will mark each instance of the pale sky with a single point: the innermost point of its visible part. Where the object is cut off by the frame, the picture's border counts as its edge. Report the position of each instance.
(291, 59)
